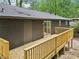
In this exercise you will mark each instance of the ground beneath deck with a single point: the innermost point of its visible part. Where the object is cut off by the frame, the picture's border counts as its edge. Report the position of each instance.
(72, 53)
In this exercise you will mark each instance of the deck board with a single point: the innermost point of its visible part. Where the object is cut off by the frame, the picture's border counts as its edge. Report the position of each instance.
(18, 53)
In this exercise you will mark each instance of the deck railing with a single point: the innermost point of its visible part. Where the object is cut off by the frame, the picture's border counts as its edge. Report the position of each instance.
(60, 29)
(63, 38)
(4, 49)
(47, 47)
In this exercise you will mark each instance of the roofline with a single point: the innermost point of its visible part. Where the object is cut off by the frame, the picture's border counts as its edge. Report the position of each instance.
(36, 14)
(75, 18)
(32, 18)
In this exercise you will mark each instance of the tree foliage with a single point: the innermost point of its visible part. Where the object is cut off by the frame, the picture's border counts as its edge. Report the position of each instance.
(19, 3)
(63, 8)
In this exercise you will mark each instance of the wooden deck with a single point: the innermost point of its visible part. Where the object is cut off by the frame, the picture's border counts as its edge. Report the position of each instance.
(4, 49)
(44, 48)
(48, 46)
(18, 53)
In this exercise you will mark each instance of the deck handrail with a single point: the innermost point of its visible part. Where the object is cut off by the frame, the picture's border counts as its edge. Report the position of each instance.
(4, 49)
(60, 29)
(40, 49)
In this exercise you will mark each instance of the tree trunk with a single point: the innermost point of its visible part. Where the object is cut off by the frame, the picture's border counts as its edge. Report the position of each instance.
(9, 2)
(20, 3)
(16, 2)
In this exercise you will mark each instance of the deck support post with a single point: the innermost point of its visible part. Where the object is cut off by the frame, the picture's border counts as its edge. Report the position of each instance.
(71, 43)
(25, 54)
(64, 50)
(57, 54)
(68, 46)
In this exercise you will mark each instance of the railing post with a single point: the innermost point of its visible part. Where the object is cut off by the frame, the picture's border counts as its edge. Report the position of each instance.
(71, 43)
(72, 39)
(5, 48)
(57, 54)
(25, 54)
(68, 46)
(43, 49)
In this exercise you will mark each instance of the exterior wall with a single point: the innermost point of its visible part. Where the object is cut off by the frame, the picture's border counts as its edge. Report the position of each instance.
(64, 23)
(27, 31)
(58, 23)
(12, 30)
(33, 30)
(1, 26)
(19, 32)
(53, 25)
(37, 29)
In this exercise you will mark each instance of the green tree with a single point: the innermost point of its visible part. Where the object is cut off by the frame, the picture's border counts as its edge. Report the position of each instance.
(76, 3)
(16, 2)
(19, 3)
(63, 8)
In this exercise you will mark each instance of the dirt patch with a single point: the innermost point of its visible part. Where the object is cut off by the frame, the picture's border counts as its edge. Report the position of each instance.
(72, 53)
